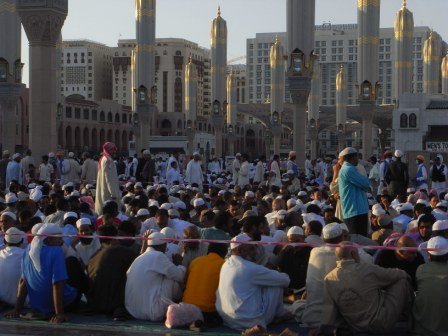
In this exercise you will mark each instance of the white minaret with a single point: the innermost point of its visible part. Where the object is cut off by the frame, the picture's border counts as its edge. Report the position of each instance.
(431, 64)
(403, 44)
(277, 63)
(315, 95)
(368, 40)
(10, 52)
(341, 106)
(191, 92)
(218, 37)
(444, 69)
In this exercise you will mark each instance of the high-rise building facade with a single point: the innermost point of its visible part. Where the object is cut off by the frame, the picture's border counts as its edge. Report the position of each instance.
(335, 45)
(86, 69)
(171, 57)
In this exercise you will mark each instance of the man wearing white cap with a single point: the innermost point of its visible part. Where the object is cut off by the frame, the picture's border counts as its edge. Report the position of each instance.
(236, 166)
(153, 281)
(243, 174)
(11, 265)
(13, 170)
(291, 163)
(369, 298)
(429, 310)
(294, 183)
(397, 176)
(249, 294)
(259, 170)
(352, 193)
(194, 172)
(86, 247)
(274, 172)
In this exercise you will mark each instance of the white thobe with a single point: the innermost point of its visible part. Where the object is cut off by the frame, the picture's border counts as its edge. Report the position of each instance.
(75, 171)
(308, 168)
(45, 172)
(107, 186)
(153, 282)
(178, 226)
(168, 165)
(243, 175)
(249, 294)
(259, 172)
(85, 252)
(214, 167)
(194, 173)
(275, 180)
(89, 171)
(11, 271)
(236, 166)
(322, 261)
(173, 175)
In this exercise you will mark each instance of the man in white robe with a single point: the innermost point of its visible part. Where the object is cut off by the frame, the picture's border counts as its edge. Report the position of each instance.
(11, 265)
(249, 295)
(173, 174)
(153, 281)
(74, 173)
(107, 188)
(236, 166)
(259, 171)
(89, 169)
(275, 177)
(243, 175)
(194, 171)
(86, 247)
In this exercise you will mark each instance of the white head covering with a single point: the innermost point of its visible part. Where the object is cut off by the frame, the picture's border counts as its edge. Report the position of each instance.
(173, 213)
(70, 214)
(156, 239)
(82, 221)
(331, 231)
(377, 210)
(14, 235)
(142, 212)
(35, 195)
(237, 240)
(180, 205)
(198, 202)
(295, 230)
(38, 242)
(439, 243)
(168, 232)
(166, 206)
(398, 153)
(10, 215)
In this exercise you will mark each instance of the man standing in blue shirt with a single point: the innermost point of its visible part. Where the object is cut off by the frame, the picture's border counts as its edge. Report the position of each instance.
(352, 192)
(44, 276)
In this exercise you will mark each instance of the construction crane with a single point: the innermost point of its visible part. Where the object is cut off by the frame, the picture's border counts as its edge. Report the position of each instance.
(234, 60)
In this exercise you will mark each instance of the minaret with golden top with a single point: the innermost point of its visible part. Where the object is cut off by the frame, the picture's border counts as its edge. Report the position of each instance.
(431, 63)
(444, 69)
(191, 92)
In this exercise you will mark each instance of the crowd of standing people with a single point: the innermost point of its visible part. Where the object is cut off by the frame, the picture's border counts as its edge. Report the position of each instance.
(343, 246)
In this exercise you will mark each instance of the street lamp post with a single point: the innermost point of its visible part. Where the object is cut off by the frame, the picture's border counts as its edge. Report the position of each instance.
(218, 123)
(341, 137)
(268, 138)
(190, 137)
(231, 138)
(276, 129)
(299, 79)
(313, 133)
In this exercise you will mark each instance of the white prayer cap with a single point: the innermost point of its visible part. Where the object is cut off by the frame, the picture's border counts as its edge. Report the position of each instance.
(51, 155)
(146, 152)
(296, 208)
(11, 198)
(71, 154)
(156, 239)
(22, 196)
(138, 185)
(281, 214)
(422, 201)
(168, 232)
(89, 186)
(440, 225)
(196, 154)
(31, 185)
(405, 207)
(410, 190)
(68, 185)
(221, 192)
(238, 154)
(35, 195)
(10, 215)
(290, 203)
(398, 153)
(16, 155)
(249, 194)
(292, 153)
(295, 230)
(198, 202)
(152, 202)
(332, 230)
(142, 212)
(238, 240)
(74, 193)
(36, 228)
(83, 221)
(439, 243)
(180, 205)
(173, 213)
(377, 210)
(347, 151)
(70, 214)
(166, 206)
(290, 172)
(14, 235)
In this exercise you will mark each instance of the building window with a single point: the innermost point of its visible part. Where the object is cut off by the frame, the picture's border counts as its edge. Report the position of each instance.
(68, 112)
(178, 95)
(86, 114)
(413, 120)
(94, 115)
(403, 121)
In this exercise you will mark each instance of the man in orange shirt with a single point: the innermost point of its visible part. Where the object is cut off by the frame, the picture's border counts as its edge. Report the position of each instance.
(202, 283)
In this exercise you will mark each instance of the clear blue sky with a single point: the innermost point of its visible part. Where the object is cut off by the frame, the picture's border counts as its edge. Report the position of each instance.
(105, 20)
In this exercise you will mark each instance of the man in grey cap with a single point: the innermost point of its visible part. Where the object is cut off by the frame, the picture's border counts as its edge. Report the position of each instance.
(3, 165)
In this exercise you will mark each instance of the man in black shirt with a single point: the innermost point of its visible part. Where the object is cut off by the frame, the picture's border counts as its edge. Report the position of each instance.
(397, 176)
(407, 261)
